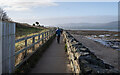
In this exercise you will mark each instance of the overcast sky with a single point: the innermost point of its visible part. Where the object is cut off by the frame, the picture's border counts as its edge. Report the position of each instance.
(50, 13)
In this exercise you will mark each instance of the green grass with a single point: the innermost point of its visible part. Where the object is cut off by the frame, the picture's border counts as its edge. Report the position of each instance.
(65, 47)
(23, 32)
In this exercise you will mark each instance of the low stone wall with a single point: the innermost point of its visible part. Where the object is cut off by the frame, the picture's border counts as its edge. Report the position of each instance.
(82, 60)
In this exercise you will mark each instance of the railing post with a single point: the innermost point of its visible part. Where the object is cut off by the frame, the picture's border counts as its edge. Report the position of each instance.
(42, 37)
(45, 36)
(8, 47)
(39, 39)
(48, 35)
(33, 42)
(25, 50)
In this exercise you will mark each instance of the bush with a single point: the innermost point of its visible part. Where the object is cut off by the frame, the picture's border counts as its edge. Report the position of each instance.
(65, 48)
(3, 15)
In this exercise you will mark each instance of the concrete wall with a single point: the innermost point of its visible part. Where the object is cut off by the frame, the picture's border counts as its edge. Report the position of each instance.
(0, 47)
(83, 60)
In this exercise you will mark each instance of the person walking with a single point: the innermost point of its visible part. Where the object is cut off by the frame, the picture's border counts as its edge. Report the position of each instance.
(58, 33)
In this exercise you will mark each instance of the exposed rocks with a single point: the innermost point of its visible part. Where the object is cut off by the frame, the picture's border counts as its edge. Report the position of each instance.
(83, 60)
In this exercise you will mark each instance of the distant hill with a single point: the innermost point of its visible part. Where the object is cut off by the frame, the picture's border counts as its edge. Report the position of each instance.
(111, 25)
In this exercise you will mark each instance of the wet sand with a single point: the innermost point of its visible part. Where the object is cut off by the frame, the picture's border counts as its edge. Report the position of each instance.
(107, 54)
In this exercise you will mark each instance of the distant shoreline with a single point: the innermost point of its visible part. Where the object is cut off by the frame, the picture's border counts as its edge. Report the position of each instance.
(114, 30)
(93, 32)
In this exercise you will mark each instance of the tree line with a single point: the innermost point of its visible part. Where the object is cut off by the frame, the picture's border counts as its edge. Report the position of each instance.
(37, 24)
(4, 16)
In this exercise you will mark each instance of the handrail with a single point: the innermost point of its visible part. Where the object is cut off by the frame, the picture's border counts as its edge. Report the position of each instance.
(45, 35)
(21, 39)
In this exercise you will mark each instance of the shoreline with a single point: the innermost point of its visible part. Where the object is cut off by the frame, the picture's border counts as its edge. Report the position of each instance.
(92, 32)
(103, 52)
(96, 30)
(107, 38)
(114, 30)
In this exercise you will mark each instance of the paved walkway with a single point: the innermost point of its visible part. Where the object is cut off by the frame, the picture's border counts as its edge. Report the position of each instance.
(53, 60)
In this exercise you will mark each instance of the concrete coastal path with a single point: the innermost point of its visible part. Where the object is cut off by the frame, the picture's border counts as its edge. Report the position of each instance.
(53, 60)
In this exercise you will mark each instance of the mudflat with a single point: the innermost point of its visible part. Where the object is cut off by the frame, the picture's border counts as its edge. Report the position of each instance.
(107, 54)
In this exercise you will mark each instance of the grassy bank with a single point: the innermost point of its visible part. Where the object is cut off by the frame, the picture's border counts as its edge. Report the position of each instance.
(28, 31)
(25, 31)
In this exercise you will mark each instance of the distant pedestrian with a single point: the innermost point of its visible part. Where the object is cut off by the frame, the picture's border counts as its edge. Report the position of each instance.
(58, 33)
